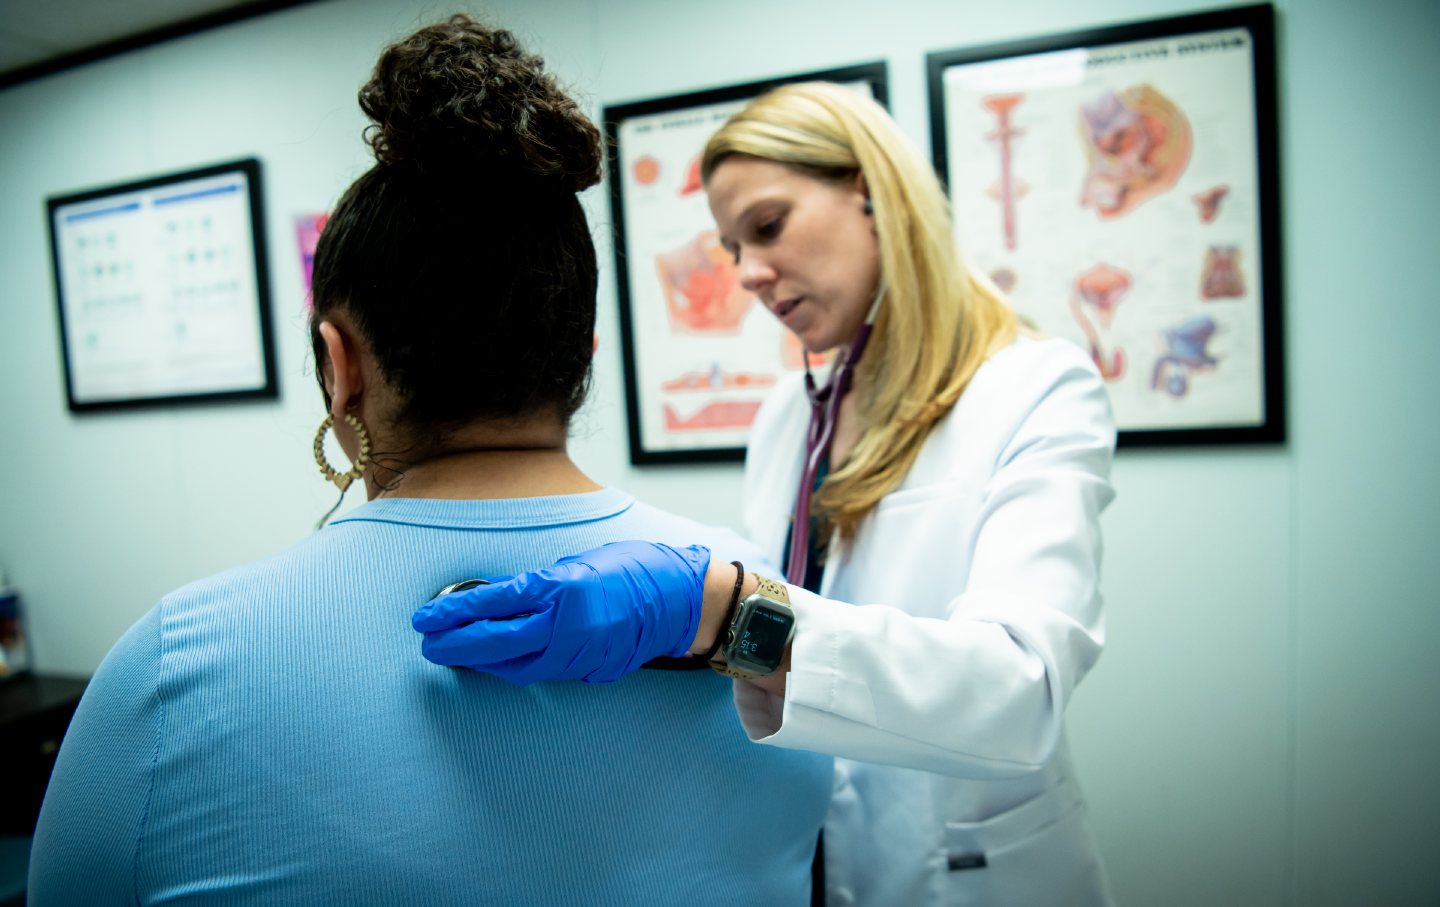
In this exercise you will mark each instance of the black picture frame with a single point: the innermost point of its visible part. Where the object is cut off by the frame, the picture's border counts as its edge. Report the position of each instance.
(644, 139)
(162, 290)
(1137, 96)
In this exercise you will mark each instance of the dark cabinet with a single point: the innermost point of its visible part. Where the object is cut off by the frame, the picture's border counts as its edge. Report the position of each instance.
(35, 710)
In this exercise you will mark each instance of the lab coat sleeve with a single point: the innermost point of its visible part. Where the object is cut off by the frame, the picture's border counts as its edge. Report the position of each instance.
(981, 693)
(87, 839)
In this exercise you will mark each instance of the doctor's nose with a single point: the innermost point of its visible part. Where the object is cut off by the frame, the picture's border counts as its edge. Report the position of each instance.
(755, 273)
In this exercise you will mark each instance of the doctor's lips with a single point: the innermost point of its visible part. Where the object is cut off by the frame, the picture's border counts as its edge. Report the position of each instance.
(781, 309)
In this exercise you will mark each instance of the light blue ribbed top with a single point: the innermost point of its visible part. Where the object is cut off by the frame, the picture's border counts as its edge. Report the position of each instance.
(272, 736)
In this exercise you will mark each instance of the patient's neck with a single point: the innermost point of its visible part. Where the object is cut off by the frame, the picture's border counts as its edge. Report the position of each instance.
(486, 462)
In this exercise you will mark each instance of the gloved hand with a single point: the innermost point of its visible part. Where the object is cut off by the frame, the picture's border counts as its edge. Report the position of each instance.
(595, 616)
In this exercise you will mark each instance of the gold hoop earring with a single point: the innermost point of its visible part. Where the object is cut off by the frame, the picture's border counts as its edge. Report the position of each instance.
(342, 480)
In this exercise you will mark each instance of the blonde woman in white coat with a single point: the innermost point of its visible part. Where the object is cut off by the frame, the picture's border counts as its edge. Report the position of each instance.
(945, 600)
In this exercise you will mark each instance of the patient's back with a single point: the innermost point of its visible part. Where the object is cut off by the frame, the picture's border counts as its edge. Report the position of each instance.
(272, 735)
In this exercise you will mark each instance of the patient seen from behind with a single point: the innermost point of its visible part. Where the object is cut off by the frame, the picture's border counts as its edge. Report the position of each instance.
(272, 735)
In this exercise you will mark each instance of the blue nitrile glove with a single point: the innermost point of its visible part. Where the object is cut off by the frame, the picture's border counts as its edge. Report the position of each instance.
(594, 617)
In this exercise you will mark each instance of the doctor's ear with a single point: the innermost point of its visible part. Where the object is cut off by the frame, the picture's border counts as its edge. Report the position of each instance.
(863, 188)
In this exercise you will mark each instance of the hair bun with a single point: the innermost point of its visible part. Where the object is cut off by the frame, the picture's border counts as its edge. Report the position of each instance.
(458, 96)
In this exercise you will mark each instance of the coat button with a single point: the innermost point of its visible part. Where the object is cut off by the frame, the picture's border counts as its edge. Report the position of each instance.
(843, 897)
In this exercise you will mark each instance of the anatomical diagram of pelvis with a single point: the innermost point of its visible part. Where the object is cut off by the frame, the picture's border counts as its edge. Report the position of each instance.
(1097, 295)
(701, 286)
(1137, 143)
(1186, 353)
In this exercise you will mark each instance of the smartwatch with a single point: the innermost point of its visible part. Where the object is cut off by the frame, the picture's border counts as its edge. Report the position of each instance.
(757, 637)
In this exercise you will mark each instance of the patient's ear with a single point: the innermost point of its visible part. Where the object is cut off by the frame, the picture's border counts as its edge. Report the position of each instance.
(343, 379)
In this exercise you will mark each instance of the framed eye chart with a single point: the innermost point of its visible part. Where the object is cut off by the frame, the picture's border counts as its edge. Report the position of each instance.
(1120, 186)
(162, 290)
(700, 354)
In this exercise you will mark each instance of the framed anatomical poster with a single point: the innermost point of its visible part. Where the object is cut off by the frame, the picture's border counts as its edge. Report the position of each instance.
(700, 354)
(1120, 186)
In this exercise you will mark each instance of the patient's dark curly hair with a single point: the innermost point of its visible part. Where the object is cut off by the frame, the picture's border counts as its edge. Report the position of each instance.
(463, 254)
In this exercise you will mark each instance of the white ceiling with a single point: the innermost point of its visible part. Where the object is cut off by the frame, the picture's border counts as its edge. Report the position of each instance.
(35, 32)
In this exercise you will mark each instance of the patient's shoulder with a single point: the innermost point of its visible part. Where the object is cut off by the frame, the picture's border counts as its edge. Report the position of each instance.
(725, 544)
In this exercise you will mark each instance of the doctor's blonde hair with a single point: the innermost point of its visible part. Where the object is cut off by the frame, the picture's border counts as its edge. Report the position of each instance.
(939, 319)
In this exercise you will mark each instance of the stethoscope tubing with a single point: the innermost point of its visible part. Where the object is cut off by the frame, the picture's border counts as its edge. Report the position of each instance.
(824, 413)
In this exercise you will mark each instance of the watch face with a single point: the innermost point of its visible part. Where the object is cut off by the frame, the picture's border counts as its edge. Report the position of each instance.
(762, 640)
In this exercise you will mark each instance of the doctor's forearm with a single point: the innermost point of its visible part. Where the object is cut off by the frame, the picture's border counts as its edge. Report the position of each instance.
(774, 683)
(719, 588)
(719, 591)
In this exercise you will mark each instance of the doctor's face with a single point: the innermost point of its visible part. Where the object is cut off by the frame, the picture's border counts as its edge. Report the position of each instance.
(803, 245)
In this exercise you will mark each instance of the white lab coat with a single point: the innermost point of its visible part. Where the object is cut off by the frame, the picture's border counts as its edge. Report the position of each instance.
(937, 662)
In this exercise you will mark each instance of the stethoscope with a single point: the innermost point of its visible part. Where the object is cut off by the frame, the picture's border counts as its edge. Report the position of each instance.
(824, 411)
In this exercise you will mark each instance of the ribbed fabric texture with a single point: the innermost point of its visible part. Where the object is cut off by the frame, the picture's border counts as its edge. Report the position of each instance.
(272, 736)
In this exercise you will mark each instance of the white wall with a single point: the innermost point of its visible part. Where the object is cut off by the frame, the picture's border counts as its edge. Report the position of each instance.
(1264, 725)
